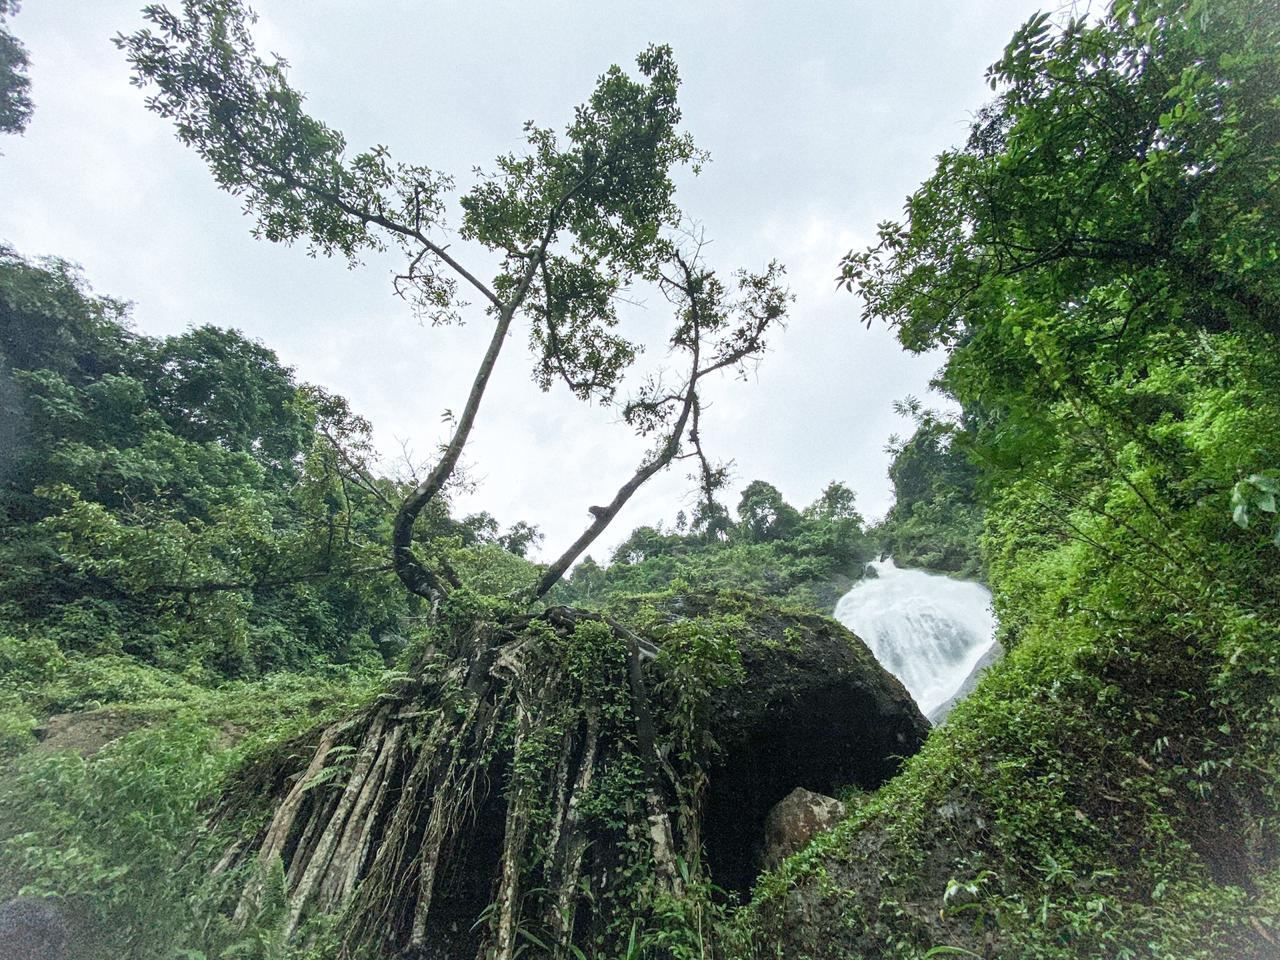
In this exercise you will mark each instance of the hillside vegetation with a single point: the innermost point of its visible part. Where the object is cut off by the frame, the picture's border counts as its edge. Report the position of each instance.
(195, 582)
(233, 726)
(1099, 258)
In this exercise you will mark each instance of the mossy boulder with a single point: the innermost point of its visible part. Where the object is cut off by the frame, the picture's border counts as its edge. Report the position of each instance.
(795, 820)
(811, 708)
(581, 778)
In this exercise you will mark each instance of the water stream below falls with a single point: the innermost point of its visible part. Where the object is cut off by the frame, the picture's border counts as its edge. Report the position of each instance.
(928, 630)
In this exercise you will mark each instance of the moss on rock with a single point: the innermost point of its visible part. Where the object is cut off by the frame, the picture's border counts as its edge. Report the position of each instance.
(1086, 801)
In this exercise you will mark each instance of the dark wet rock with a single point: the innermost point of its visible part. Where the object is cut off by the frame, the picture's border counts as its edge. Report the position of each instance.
(815, 710)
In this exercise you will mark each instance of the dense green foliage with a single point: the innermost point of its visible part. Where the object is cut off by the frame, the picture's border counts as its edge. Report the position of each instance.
(183, 503)
(806, 557)
(121, 834)
(936, 518)
(177, 500)
(15, 86)
(1100, 260)
(182, 521)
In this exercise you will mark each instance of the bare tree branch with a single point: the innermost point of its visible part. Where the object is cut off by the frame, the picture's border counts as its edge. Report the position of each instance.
(415, 575)
(700, 293)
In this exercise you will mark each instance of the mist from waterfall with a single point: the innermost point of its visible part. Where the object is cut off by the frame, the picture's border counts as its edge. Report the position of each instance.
(928, 630)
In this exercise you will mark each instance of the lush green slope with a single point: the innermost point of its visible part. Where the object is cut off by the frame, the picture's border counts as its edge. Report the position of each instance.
(1100, 259)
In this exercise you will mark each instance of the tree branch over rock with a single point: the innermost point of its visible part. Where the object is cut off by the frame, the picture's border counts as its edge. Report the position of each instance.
(707, 326)
(577, 220)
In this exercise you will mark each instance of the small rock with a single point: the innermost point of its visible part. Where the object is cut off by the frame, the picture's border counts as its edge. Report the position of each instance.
(32, 928)
(795, 820)
(88, 731)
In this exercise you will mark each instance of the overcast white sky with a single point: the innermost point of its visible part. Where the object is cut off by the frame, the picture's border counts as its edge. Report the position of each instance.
(820, 118)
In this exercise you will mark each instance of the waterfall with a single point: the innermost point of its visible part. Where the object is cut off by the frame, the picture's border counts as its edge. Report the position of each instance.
(928, 630)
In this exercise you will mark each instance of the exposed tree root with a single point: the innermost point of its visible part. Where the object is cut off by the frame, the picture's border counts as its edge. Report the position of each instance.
(487, 807)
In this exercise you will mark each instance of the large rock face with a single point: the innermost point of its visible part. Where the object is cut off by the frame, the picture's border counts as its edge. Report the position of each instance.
(815, 710)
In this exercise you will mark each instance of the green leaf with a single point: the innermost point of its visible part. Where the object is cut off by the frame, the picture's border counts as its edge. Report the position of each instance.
(534, 940)
(1265, 482)
(1239, 506)
(322, 777)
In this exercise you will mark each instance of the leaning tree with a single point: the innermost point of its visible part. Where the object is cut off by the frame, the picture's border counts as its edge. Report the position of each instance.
(515, 714)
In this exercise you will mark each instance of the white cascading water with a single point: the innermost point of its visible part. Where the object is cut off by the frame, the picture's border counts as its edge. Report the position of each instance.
(928, 630)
